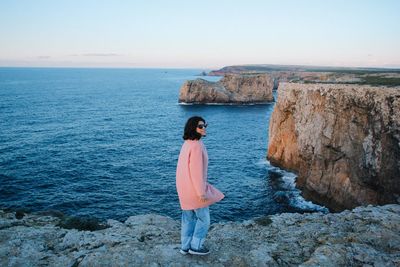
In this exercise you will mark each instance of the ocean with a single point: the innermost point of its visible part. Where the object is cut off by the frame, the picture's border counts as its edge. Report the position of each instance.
(104, 143)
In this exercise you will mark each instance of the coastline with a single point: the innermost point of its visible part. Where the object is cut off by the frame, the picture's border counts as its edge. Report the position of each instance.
(225, 104)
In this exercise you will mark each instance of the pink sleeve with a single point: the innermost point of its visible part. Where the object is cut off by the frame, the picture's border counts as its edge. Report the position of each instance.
(196, 170)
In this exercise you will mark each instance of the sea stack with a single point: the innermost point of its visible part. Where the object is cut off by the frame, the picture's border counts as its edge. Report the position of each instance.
(231, 89)
(342, 140)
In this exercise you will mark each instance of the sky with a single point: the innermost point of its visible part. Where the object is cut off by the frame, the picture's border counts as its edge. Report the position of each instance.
(199, 34)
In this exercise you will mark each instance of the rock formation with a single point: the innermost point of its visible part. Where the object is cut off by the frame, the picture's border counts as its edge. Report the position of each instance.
(315, 74)
(367, 236)
(342, 140)
(238, 89)
(268, 68)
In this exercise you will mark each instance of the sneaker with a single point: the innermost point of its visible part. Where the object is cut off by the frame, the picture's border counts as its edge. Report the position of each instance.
(201, 251)
(183, 251)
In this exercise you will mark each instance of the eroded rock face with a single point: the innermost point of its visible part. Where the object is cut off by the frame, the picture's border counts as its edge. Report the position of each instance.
(240, 89)
(342, 140)
(365, 236)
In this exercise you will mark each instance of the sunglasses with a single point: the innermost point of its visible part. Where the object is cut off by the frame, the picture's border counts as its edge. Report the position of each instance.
(201, 126)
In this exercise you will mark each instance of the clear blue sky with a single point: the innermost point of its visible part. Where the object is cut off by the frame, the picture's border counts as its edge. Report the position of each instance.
(200, 34)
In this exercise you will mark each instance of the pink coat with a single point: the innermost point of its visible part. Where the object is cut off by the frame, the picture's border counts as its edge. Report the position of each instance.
(191, 177)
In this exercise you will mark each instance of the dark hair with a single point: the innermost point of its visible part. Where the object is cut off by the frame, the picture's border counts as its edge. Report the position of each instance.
(190, 128)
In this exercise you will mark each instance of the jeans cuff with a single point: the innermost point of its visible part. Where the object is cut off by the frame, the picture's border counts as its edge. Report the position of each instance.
(197, 243)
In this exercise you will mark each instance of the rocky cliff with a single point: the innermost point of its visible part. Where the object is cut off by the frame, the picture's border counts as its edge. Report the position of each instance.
(315, 74)
(342, 140)
(367, 236)
(268, 68)
(238, 89)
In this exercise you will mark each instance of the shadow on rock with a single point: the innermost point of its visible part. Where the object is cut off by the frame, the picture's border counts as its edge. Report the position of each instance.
(81, 223)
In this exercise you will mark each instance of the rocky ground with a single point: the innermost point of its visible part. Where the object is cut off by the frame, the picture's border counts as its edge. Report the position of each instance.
(365, 236)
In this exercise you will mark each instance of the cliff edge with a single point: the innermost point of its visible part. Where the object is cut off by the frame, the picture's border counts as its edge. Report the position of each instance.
(232, 88)
(366, 236)
(342, 140)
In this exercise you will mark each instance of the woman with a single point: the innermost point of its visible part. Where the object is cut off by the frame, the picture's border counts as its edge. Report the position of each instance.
(195, 194)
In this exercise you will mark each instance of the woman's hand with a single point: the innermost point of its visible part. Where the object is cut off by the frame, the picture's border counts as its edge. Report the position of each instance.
(203, 198)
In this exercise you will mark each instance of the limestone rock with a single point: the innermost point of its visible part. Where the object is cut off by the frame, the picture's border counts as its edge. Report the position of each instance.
(239, 89)
(365, 236)
(342, 140)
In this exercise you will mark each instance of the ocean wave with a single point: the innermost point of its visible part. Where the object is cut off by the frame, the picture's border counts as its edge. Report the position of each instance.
(224, 104)
(287, 190)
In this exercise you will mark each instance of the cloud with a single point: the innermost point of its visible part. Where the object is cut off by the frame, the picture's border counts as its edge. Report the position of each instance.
(96, 55)
(43, 57)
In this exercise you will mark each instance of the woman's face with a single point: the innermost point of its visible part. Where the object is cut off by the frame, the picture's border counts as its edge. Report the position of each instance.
(201, 128)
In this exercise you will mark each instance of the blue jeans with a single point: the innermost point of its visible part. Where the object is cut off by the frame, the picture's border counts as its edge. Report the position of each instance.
(195, 224)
